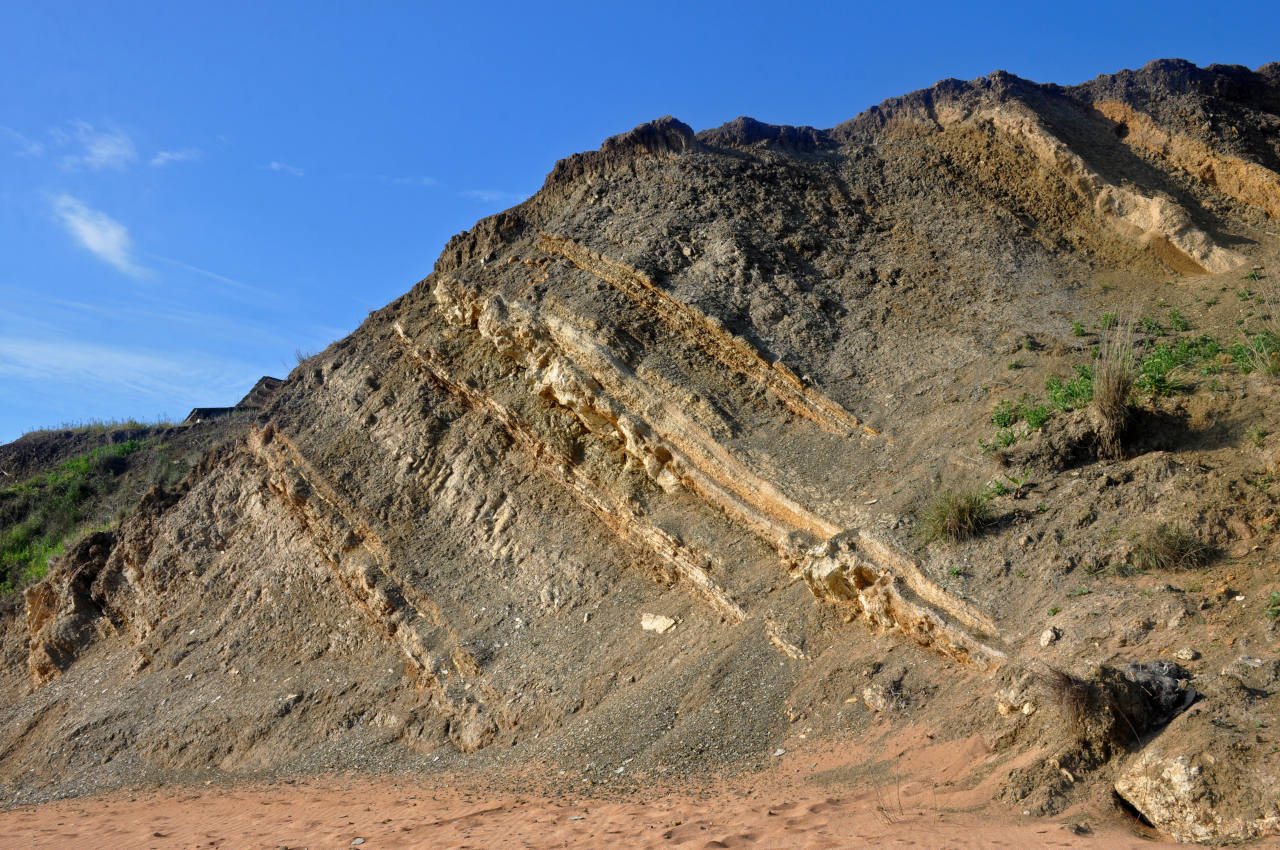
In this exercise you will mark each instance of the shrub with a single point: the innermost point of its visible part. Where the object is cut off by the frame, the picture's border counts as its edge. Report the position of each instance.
(954, 515)
(1170, 547)
(1112, 381)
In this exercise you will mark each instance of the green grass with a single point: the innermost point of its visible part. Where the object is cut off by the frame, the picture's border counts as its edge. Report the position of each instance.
(1073, 393)
(1077, 329)
(41, 515)
(1158, 373)
(1258, 353)
(1273, 605)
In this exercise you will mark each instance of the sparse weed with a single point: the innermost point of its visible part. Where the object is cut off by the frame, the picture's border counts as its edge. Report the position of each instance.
(1178, 322)
(1256, 435)
(1254, 274)
(1077, 329)
(1109, 321)
(1273, 605)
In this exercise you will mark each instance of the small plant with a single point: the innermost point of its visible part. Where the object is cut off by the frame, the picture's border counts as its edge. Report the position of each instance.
(1253, 274)
(1150, 326)
(1006, 413)
(1259, 353)
(1036, 415)
(1054, 610)
(1077, 329)
(1016, 364)
(1273, 605)
(956, 572)
(1078, 592)
(1109, 321)
(1178, 322)
(1170, 547)
(1256, 435)
(954, 515)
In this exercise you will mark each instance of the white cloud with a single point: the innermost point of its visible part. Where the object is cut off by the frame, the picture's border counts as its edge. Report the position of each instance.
(493, 196)
(285, 167)
(101, 234)
(99, 150)
(184, 155)
(26, 146)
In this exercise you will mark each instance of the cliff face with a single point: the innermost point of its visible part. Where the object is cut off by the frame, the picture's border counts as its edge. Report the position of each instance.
(700, 375)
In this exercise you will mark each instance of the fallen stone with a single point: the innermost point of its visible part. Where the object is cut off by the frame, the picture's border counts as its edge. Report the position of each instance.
(1049, 636)
(657, 623)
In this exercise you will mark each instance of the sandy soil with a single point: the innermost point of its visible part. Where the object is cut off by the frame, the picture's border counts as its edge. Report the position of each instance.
(390, 813)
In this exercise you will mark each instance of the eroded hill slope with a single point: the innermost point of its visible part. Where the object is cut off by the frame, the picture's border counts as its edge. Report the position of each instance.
(707, 376)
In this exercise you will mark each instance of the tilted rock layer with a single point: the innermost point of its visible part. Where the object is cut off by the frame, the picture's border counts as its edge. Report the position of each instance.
(675, 383)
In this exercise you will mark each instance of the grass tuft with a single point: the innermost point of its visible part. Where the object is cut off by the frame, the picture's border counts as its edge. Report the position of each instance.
(954, 515)
(1170, 547)
(1112, 382)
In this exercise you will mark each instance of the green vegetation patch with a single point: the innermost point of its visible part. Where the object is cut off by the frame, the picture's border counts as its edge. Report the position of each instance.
(40, 515)
(1073, 393)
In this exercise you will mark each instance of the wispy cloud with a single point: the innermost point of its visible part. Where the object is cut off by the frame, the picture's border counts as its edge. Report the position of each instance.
(98, 232)
(286, 168)
(25, 146)
(184, 155)
(230, 282)
(179, 378)
(493, 196)
(98, 150)
(410, 181)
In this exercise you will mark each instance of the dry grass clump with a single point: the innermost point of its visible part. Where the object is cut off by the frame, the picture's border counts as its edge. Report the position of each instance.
(1112, 382)
(954, 515)
(1170, 547)
(1075, 699)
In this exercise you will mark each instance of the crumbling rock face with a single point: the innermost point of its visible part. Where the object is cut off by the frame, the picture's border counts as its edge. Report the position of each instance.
(663, 390)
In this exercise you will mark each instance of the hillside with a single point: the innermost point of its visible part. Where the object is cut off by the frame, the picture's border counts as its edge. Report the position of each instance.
(721, 378)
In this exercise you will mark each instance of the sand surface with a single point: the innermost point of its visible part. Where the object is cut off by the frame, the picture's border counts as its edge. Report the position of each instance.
(383, 813)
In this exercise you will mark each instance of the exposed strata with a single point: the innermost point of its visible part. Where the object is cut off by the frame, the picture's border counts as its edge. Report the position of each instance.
(696, 382)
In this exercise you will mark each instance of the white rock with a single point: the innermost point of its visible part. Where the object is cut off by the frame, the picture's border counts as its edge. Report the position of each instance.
(657, 623)
(1049, 635)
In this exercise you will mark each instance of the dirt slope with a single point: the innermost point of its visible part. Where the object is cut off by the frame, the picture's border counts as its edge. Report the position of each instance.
(712, 377)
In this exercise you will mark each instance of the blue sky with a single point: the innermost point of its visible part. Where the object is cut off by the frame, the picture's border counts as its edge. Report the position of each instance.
(190, 193)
